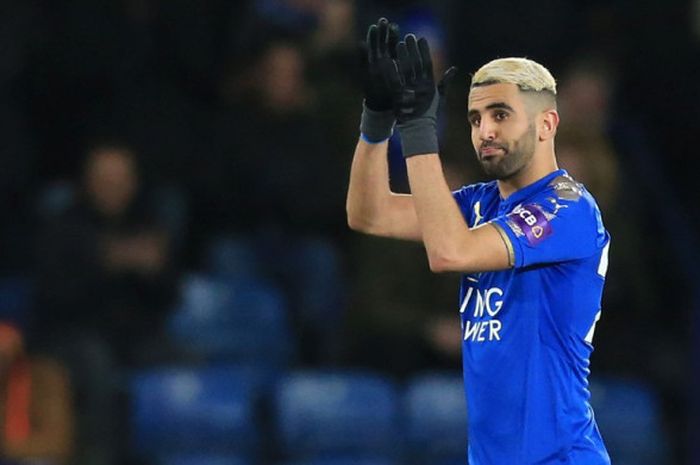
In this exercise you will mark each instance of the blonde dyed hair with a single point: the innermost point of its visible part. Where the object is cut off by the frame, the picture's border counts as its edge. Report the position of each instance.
(528, 75)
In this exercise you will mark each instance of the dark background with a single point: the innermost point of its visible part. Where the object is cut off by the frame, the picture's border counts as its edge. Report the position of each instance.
(245, 114)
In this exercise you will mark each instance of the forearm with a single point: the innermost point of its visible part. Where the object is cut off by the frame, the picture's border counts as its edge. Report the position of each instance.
(445, 233)
(369, 184)
(450, 244)
(371, 206)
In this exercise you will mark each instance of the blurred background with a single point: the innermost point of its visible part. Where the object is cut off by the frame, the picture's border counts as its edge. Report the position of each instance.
(177, 282)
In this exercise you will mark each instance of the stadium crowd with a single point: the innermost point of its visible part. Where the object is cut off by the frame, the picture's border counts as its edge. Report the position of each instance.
(155, 155)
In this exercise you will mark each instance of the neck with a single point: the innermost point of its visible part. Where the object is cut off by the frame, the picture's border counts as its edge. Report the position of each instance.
(540, 166)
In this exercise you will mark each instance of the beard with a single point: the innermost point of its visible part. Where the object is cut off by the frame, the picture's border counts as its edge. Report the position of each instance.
(516, 155)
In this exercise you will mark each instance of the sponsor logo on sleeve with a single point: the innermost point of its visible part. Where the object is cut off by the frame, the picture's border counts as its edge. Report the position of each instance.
(531, 221)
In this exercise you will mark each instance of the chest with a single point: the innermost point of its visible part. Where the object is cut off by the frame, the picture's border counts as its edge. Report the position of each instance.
(486, 208)
(498, 305)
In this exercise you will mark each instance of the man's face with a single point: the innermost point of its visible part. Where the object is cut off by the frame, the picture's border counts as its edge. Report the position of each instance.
(284, 76)
(111, 180)
(503, 133)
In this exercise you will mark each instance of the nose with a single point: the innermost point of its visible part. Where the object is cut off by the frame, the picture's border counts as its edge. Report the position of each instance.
(487, 130)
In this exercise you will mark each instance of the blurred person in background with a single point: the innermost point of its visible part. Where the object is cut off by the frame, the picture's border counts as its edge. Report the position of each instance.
(36, 404)
(265, 150)
(105, 264)
(332, 63)
(106, 280)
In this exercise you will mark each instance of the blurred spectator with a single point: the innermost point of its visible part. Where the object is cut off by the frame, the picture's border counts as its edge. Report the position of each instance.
(266, 148)
(267, 180)
(334, 74)
(106, 279)
(336, 26)
(36, 401)
(586, 93)
(106, 263)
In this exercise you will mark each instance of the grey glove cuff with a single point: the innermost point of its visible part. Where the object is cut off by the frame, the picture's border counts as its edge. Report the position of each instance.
(376, 126)
(419, 136)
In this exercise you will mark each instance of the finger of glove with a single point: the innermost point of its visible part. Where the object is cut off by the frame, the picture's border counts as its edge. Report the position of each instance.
(425, 59)
(383, 40)
(392, 75)
(446, 79)
(404, 60)
(393, 39)
(414, 56)
(372, 45)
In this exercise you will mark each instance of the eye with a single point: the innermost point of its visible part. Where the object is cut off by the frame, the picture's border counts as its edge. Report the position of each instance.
(500, 115)
(475, 121)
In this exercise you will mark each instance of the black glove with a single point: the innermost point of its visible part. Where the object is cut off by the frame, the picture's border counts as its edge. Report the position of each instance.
(416, 99)
(378, 119)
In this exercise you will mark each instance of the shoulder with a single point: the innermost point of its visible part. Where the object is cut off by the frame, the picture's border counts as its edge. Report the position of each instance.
(565, 187)
(565, 195)
(565, 199)
(563, 208)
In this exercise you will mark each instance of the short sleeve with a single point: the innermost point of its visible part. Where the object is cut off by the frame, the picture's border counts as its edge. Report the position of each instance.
(552, 229)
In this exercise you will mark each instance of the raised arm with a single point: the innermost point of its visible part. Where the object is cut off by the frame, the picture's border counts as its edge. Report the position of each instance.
(371, 206)
(451, 245)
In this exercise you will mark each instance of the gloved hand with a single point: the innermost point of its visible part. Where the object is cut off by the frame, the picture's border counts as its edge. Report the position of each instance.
(378, 119)
(416, 99)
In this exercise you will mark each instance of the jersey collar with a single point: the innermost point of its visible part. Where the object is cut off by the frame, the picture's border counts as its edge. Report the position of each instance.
(522, 194)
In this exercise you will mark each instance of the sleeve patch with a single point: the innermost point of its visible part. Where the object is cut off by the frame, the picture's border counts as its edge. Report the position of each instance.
(530, 221)
(566, 188)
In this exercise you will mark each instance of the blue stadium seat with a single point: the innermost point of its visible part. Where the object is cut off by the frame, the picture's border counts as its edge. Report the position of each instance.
(629, 417)
(435, 418)
(184, 410)
(234, 257)
(233, 320)
(342, 412)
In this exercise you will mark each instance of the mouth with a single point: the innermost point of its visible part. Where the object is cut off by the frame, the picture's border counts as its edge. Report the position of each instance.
(486, 153)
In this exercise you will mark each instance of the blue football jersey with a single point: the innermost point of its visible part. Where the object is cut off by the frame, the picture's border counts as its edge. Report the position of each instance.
(527, 331)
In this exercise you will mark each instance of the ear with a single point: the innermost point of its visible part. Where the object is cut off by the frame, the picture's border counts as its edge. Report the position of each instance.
(549, 120)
